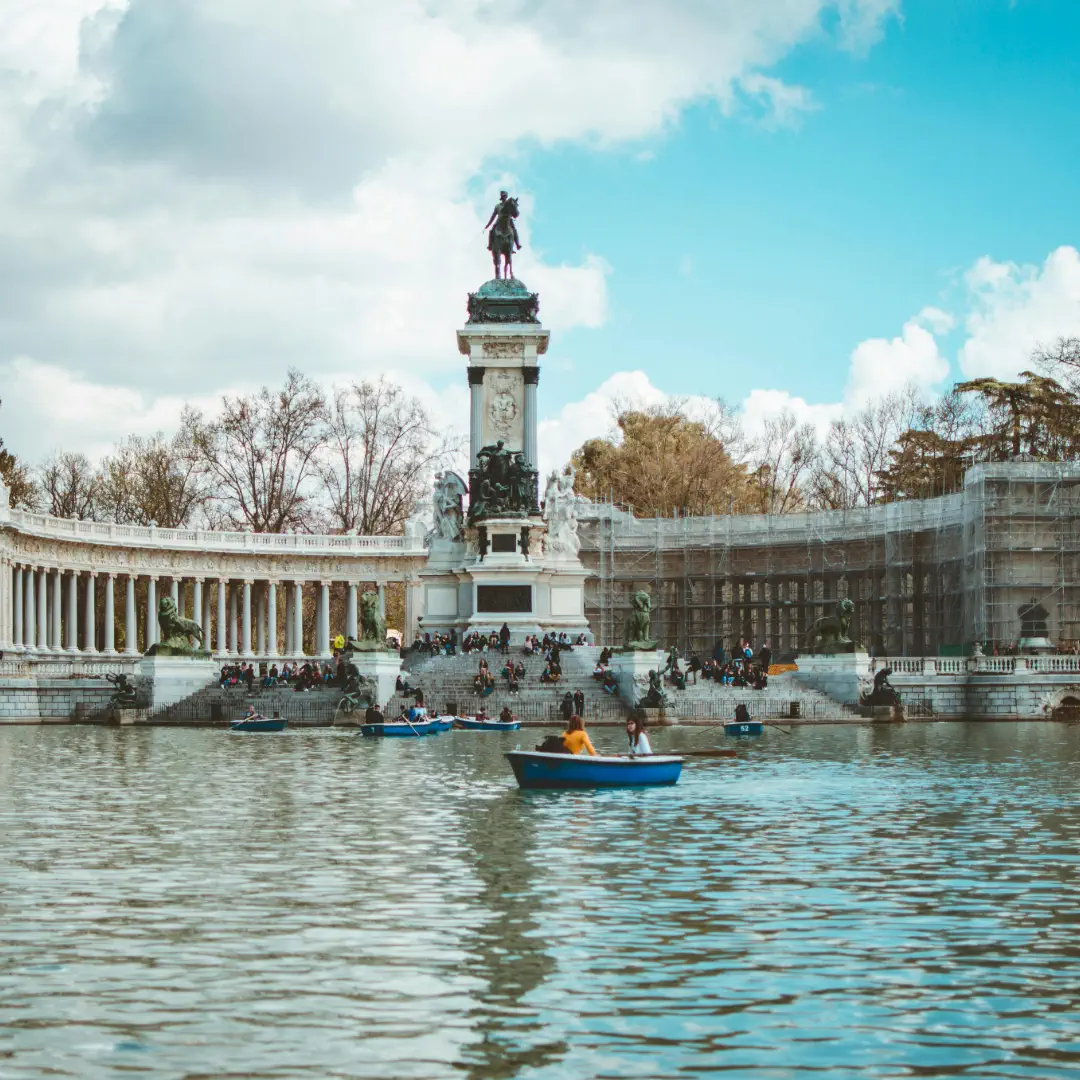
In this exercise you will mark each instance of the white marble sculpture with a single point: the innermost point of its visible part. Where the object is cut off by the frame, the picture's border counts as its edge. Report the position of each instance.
(449, 520)
(560, 511)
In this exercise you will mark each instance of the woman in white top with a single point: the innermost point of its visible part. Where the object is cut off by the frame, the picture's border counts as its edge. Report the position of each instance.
(639, 741)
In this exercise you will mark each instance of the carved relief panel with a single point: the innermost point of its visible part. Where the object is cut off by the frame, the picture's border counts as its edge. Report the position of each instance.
(504, 406)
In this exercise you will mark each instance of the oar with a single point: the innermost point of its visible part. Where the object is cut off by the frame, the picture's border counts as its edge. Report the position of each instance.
(405, 717)
(710, 753)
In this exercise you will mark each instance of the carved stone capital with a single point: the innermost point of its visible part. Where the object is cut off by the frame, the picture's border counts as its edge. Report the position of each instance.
(532, 375)
(476, 376)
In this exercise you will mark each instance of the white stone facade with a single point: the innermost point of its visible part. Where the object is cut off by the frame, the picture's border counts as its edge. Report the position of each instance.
(62, 582)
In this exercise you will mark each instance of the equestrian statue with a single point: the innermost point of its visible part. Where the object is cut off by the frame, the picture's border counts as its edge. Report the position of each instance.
(503, 235)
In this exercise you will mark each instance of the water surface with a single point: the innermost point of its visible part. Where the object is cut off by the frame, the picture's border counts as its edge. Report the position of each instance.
(843, 901)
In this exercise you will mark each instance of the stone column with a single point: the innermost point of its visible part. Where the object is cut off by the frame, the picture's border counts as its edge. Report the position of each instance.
(382, 598)
(414, 610)
(151, 634)
(350, 612)
(271, 618)
(17, 608)
(532, 377)
(71, 630)
(110, 614)
(298, 618)
(89, 615)
(260, 621)
(246, 639)
(197, 604)
(476, 413)
(43, 610)
(289, 620)
(222, 618)
(55, 642)
(174, 592)
(131, 623)
(206, 618)
(29, 609)
(324, 618)
(234, 625)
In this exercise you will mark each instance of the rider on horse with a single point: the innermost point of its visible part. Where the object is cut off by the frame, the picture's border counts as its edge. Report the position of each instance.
(503, 237)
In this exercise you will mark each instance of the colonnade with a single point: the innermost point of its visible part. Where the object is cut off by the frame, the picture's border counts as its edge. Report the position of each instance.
(48, 610)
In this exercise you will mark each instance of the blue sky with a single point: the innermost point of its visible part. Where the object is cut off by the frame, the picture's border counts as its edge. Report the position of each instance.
(744, 253)
(790, 203)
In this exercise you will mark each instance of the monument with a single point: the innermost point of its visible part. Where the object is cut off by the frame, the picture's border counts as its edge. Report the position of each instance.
(507, 558)
(176, 666)
(377, 664)
(637, 666)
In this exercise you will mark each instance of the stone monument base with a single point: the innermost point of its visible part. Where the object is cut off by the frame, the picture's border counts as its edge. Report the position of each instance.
(381, 668)
(837, 675)
(631, 670)
(165, 680)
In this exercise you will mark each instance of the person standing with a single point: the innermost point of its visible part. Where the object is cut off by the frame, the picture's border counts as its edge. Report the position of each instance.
(566, 707)
(765, 657)
(579, 702)
(504, 639)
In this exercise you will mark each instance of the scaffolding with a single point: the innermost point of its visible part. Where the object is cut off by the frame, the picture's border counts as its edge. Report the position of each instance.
(926, 577)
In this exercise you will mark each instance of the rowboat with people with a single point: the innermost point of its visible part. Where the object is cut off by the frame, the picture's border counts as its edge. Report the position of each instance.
(258, 722)
(476, 723)
(400, 729)
(538, 769)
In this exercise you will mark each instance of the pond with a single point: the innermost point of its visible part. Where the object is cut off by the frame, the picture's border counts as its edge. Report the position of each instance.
(843, 901)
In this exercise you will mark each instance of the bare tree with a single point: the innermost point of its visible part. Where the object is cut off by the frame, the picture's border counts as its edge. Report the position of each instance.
(780, 460)
(1061, 361)
(856, 449)
(261, 454)
(381, 453)
(154, 479)
(14, 475)
(69, 487)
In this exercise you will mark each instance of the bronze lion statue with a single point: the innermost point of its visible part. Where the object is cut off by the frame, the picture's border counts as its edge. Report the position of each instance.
(372, 625)
(179, 636)
(638, 625)
(830, 633)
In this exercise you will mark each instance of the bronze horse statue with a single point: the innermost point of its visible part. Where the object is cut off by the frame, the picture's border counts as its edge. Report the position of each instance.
(503, 237)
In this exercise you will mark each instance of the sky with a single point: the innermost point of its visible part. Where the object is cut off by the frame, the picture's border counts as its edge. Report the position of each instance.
(786, 203)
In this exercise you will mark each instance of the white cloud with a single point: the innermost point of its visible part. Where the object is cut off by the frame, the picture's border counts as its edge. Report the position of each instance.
(198, 195)
(762, 405)
(784, 103)
(1016, 308)
(880, 366)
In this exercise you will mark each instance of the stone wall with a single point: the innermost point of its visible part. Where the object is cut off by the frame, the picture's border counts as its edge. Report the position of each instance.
(31, 700)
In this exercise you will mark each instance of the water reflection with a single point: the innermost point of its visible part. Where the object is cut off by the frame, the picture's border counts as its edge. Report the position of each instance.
(863, 901)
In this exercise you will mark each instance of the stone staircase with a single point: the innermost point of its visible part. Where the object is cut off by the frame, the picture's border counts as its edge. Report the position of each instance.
(447, 682)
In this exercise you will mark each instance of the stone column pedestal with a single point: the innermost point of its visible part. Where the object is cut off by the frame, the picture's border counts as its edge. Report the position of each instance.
(165, 680)
(382, 667)
(631, 670)
(837, 675)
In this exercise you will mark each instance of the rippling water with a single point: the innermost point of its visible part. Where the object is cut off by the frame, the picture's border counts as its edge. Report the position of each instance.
(871, 902)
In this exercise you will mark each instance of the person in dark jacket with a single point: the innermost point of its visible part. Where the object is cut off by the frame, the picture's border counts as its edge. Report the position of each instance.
(566, 706)
(579, 702)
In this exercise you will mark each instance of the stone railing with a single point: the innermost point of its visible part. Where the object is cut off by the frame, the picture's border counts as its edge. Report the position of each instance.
(64, 668)
(1054, 664)
(207, 540)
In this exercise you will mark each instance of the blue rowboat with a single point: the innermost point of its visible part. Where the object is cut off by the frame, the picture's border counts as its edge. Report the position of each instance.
(399, 729)
(441, 723)
(535, 769)
(755, 727)
(470, 723)
(259, 723)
